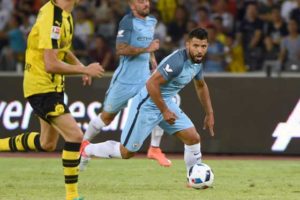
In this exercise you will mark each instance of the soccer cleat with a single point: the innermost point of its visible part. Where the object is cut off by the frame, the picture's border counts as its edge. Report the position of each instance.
(156, 154)
(84, 157)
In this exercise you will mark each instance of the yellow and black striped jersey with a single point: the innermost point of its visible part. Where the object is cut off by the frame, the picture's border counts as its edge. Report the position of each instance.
(53, 29)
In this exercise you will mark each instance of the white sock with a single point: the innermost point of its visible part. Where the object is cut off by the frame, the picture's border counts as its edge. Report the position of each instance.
(192, 155)
(108, 149)
(94, 128)
(156, 136)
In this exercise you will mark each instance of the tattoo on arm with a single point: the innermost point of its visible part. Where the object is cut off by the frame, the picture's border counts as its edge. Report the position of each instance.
(128, 50)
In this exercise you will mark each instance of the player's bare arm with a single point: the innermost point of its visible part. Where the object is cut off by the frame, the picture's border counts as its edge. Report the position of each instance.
(54, 65)
(204, 97)
(72, 59)
(153, 87)
(153, 61)
(124, 49)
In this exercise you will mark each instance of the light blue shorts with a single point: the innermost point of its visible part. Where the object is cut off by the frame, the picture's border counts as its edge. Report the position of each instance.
(118, 94)
(144, 116)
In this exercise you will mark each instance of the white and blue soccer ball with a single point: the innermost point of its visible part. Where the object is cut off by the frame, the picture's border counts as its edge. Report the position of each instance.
(200, 176)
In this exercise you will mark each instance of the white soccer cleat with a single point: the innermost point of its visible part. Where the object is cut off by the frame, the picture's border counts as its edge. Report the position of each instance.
(84, 161)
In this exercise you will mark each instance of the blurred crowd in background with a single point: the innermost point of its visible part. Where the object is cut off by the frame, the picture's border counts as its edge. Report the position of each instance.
(244, 35)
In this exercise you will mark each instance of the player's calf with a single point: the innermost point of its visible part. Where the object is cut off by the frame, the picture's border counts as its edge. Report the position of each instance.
(125, 153)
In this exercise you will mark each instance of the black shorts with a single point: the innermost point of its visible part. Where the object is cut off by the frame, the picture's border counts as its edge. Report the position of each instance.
(48, 105)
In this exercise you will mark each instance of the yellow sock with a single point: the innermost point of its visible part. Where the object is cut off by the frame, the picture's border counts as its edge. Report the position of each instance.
(4, 144)
(23, 142)
(71, 159)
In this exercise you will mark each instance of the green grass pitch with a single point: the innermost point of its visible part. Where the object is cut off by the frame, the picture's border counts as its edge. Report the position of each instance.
(142, 179)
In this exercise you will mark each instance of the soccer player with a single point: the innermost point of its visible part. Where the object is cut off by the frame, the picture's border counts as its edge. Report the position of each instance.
(48, 59)
(153, 105)
(136, 47)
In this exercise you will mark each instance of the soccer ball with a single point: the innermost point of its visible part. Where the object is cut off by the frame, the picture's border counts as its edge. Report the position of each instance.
(200, 176)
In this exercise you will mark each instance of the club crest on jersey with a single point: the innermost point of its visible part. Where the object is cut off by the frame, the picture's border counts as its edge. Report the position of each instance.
(59, 108)
(136, 146)
(55, 32)
(120, 33)
(168, 69)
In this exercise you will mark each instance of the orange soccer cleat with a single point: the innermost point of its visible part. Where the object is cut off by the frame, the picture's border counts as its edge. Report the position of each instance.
(156, 154)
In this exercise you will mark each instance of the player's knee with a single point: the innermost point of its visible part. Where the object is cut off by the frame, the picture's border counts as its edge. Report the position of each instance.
(107, 118)
(48, 146)
(193, 139)
(78, 137)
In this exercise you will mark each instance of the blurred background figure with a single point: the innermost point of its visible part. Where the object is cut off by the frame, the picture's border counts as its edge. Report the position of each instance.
(295, 14)
(178, 26)
(276, 29)
(105, 22)
(102, 53)
(203, 18)
(290, 48)
(286, 8)
(250, 34)
(234, 55)
(220, 9)
(167, 9)
(12, 55)
(215, 57)
(83, 32)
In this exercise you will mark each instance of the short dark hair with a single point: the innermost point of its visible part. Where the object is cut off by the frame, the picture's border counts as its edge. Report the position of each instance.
(198, 33)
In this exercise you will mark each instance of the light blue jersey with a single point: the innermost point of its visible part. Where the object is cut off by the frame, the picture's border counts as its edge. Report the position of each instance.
(138, 33)
(178, 70)
(133, 71)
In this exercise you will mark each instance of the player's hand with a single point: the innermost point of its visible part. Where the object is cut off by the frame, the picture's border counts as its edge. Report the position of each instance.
(209, 122)
(169, 116)
(94, 70)
(154, 45)
(86, 80)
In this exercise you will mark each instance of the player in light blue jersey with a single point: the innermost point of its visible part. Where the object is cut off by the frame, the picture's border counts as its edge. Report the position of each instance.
(136, 46)
(153, 105)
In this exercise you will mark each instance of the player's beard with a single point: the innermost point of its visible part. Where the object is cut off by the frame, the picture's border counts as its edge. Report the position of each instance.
(196, 58)
(144, 12)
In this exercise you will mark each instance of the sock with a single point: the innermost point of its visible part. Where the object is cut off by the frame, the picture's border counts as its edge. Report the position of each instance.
(192, 155)
(108, 149)
(23, 142)
(70, 160)
(156, 136)
(94, 128)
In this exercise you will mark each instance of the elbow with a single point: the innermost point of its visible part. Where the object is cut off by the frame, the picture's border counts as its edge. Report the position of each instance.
(149, 86)
(49, 68)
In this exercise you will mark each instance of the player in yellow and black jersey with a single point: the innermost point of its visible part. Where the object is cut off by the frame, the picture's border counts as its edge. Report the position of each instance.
(48, 59)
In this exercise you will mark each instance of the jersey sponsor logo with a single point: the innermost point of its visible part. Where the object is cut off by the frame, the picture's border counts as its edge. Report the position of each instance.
(168, 69)
(285, 131)
(120, 33)
(144, 38)
(57, 23)
(55, 33)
